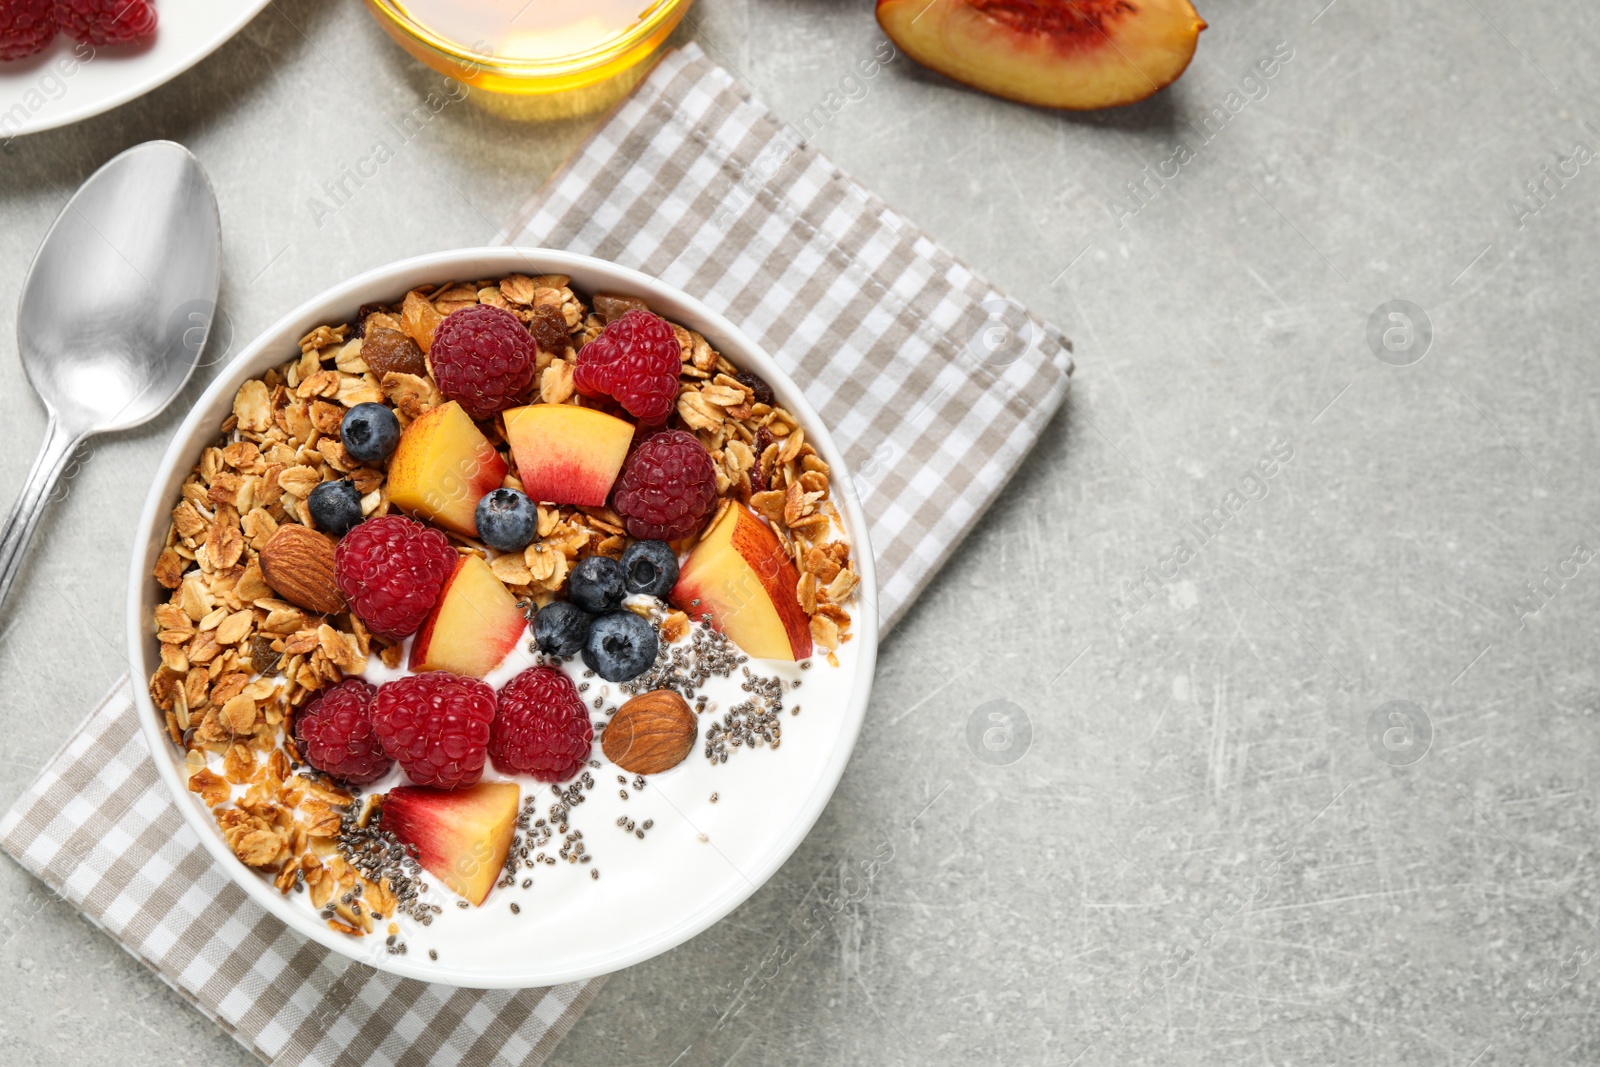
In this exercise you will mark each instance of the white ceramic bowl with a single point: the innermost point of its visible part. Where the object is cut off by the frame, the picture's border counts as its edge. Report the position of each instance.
(801, 776)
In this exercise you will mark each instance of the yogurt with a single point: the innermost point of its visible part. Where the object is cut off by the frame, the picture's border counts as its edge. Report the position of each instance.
(711, 825)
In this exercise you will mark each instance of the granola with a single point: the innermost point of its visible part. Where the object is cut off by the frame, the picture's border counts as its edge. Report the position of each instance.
(238, 659)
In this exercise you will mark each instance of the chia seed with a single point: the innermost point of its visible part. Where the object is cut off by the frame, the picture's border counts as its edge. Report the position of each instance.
(750, 723)
(685, 667)
(379, 856)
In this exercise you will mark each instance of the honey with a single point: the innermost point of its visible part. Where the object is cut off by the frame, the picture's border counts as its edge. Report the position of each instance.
(534, 58)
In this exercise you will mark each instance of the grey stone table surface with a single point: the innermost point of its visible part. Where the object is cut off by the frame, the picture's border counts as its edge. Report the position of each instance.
(1269, 512)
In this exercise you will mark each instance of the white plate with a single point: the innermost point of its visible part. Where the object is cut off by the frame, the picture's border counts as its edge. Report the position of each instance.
(656, 893)
(69, 82)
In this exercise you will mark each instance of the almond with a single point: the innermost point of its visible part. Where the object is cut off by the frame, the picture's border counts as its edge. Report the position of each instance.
(651, 733)
(298, 564)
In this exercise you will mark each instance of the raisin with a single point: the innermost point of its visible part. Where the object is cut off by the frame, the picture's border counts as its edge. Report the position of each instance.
(263, 660)
(360, 328)
(758, 480)
(610, 306)
(390, 350)
(757, 385)
(550, 329)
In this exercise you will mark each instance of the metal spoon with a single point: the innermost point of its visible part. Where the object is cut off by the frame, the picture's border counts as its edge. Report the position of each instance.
(114, 312)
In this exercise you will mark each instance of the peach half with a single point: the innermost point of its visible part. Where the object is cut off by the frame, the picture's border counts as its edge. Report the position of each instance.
(740, 575)
(1072, 54)
(473, 626)
(460, 836)
(566, 454)
(442, 467)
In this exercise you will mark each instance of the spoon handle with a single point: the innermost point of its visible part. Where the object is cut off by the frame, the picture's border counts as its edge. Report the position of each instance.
(18, 530)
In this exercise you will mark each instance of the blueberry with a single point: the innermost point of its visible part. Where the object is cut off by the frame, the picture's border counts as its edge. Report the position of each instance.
(561, 628)
(369, 432)
(621, 646)
(595, 585)
(335, 506)
(650, 567)
(507, 520)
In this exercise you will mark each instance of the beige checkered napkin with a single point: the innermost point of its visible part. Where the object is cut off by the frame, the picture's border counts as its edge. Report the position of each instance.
(100, 828)
(934, 385)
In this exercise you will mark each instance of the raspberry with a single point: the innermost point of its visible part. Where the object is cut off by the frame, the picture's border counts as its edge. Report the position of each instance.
(391, 569)
(636, 361)
(483, 359)
(668, 488)
(542, 727)
(437, 726)
(26, 27)
(335, 734)
(106, 21)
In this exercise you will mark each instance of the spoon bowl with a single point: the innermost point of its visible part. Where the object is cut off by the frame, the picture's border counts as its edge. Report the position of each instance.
(115, 311)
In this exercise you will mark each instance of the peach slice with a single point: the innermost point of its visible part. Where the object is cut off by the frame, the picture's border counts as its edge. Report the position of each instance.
(566, 454)
(442, 467)
(472, 627)
(740, 576)
(1054, 53)
(461, 836)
